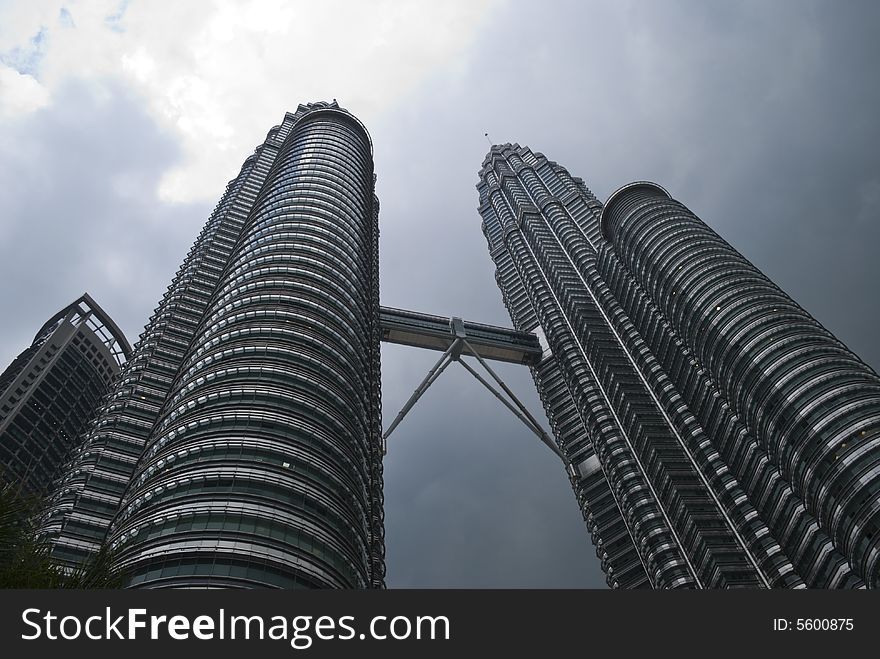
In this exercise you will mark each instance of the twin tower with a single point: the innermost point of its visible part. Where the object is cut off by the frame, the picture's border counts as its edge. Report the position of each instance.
(714, 433)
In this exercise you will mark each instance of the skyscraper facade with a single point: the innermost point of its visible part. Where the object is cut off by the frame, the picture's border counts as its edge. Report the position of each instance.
(716, 435)
(242, 444)
(52, 389)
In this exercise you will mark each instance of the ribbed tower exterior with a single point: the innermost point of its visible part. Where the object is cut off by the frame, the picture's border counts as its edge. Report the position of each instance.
(716, 435)
(243, 445)
(50, 392)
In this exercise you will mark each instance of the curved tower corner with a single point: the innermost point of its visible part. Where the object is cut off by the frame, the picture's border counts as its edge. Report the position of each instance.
(264, 466)
(242, 446)
(716, 436)
(811, 405)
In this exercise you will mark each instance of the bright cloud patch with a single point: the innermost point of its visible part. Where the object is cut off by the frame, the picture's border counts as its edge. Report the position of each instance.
(219, 73)
(20, 93)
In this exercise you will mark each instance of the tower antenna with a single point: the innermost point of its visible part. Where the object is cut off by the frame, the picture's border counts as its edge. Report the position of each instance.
(487, 138)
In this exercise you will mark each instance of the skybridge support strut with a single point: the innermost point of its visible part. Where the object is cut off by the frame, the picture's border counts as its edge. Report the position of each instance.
(523, 413)
(445, 360)
(482, 342)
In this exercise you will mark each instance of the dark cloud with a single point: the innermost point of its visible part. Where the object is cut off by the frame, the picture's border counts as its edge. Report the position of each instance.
(759, 116)
(80, 211)
(473, 499)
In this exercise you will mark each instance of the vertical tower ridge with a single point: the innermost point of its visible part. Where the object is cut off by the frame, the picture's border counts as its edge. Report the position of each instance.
(667, 436)
(242, 444)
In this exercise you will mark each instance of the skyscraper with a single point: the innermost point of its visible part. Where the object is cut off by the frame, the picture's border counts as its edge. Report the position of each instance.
(52, 389)
(242, 444)
(716, 435)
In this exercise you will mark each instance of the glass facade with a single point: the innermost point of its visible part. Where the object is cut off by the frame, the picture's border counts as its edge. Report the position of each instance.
(242, 446)
(716, 435)
(801, 410)
(52, 389)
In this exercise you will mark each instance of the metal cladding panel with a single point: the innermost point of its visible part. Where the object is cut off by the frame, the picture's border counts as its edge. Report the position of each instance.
(649, 477)
(435, 333)
(531, 307)
(86, 495)
(811, 404)
(810, 549)
(52, 390)
(264, 468)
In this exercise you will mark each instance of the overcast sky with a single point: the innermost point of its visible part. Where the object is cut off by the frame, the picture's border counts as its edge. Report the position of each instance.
(121, 122)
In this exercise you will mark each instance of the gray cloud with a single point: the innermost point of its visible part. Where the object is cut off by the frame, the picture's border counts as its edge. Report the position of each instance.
(80, 211)
(759, 116)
